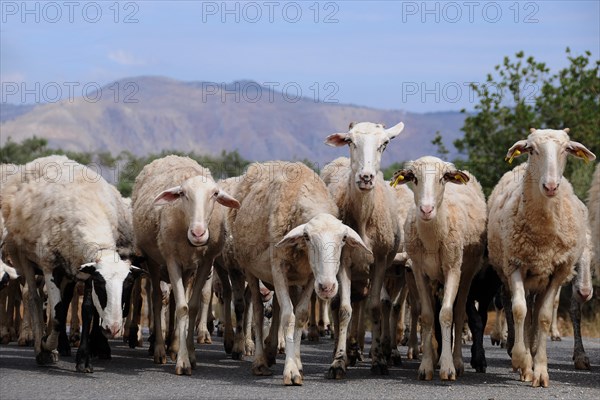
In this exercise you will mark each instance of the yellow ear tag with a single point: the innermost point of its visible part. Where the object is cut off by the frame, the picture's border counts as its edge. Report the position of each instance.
(459, 177)
(397, 181)
(581, 154)
(513, 155)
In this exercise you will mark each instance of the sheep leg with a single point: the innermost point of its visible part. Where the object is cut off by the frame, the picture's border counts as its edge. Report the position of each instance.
(554, 332)
(249, 346)
(397, 321)
(337, 370)
(301, 319)
(182, 366)
(26, 337)
(239, 306)
(291, 372)
(160, 354)
(50, 342)
(508, 316)
(275, 341)
(4, 325)
(386, 312)
(83, 359)
(75, 324)
(401, 302)
(64, 347)
(381, 338)
(447, 320)
(581, 359)
(521, 356)
(228, 340)
(197, 299)
(325, 328)
(415, 312)
(427, 316)
(259, 366)
(544, 311)
(206, 294)
(135, 338)
(313, 329)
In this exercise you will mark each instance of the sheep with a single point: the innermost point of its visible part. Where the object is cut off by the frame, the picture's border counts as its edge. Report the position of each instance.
(184, 235)
(445, 239)
(367, 205)
(62, 219)
(536, 234)
(286, 233)
(6, 271)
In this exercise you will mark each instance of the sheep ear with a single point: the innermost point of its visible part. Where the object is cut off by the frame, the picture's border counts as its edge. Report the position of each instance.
(337, 139)
(394, 130)
(293, 237)
(516, 150)
(12, 273)
(227, 200)
(354, 240)
(86, 271)
(168, 196)
(457, 177)
(580, 151)
(401, 177)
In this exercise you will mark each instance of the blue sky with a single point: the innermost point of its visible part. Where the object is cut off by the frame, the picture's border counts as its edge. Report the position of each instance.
(412, 55)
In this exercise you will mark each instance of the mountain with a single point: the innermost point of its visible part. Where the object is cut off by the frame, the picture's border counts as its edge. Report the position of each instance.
(148, 114)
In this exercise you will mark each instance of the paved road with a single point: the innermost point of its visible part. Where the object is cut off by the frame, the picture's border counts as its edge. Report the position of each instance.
(132, 375)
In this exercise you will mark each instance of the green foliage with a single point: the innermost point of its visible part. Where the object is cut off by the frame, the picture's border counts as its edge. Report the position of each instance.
(522, 95)
(125, 167)
(441, 147)
(388, 172)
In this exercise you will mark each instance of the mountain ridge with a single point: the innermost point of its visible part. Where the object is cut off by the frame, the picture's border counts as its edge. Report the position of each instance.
(148, 114)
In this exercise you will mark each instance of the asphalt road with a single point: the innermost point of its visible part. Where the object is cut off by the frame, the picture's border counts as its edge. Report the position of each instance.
(131, 374)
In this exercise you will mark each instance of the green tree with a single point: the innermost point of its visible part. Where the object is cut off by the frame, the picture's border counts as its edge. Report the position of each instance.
(522, 95)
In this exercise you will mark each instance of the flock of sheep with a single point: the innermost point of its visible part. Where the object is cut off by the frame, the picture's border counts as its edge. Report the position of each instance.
(338, 235)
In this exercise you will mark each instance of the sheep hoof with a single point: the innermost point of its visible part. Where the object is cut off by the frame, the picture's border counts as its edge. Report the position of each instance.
(425, 375)
(183, 370)
(396, 360)
(335, 373)
(81, 367)
(379, 368)
(556, 338)
(582, 362)
(46, 357)
(6, 340)
(160, 359)
(261, 370)
(237, 355)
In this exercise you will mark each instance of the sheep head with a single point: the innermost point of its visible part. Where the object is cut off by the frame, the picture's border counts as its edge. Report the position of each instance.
(323, 237)
(367, 141)
(197, 197)
(428, 177)
(548, 149)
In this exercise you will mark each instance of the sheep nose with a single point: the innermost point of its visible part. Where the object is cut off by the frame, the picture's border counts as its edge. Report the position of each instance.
(197, 232)
(366, 178)
(585, 293)
(550, 188)
(327, 287)
(426, 209)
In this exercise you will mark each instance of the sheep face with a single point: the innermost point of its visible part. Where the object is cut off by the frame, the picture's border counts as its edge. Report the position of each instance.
(548, 151)
(6, 274)
(197, 198)
(323, 237)
(108, 277)
(367, 141)
(428, 177)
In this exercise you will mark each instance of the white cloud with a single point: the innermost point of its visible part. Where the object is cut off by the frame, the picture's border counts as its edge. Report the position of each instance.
(125, 58)
(14, 76)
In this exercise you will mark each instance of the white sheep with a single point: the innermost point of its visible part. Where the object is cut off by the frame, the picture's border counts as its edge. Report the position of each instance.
(445, 240)
(536, 234)
(593, 204)
(177, 227)
(286, 234)
(62, 218)
(367, 205)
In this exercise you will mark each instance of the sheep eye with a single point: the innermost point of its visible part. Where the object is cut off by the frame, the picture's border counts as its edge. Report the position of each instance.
(383, 146)
(306, 237)
(344, 238)
(215, 194)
